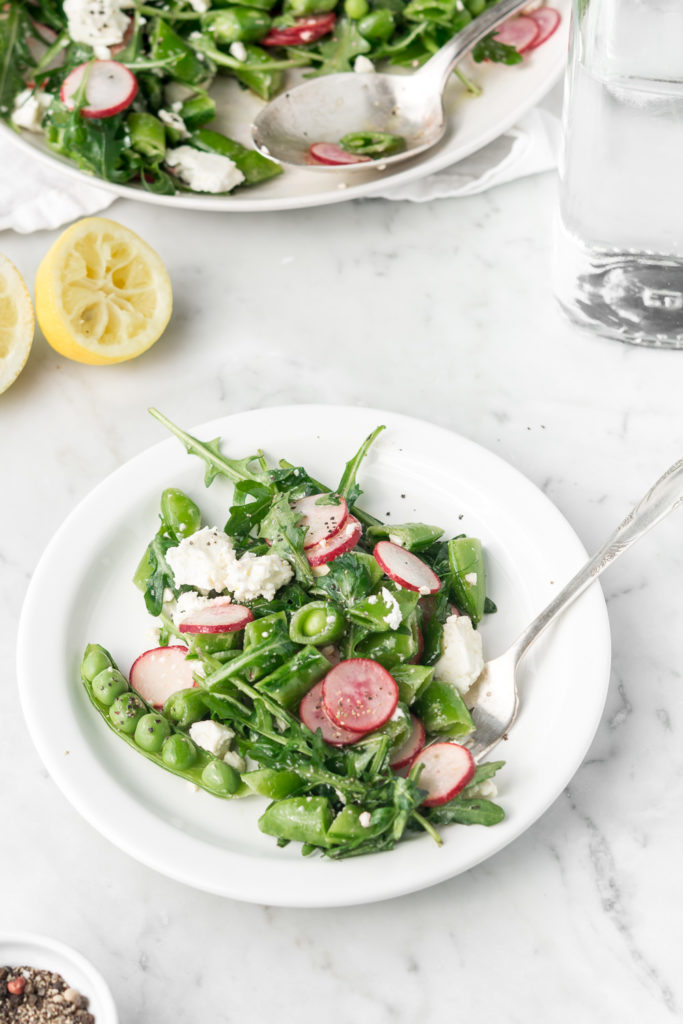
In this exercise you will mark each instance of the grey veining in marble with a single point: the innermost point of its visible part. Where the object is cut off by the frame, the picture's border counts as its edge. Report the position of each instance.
(442, 311)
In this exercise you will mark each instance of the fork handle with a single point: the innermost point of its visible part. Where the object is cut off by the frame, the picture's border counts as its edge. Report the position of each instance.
(662, 498)
(439, 67)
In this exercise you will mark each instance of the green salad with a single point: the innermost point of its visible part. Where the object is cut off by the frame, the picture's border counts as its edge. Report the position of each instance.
(123, 87)
(309, 653)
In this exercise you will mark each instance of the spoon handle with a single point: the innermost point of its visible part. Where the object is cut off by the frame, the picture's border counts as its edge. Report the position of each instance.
(439, 67)
(662, 498)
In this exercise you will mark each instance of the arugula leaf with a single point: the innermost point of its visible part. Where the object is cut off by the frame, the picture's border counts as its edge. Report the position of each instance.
(161, 575)
(348, 488)
(467, 812)
(340, 50)
(482, 773)
(217, 464)
(348, 581)
(280, 527)
(14, 28)
(489, 48)
(246, 515)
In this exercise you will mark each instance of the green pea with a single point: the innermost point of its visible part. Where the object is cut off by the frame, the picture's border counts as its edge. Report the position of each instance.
(317, 623)
(302, 8)
(126, 712)
(179, 513)
(108, 685)
(151, 731)
(356, 9)
(185, 707)
(95, 660)
(237, 24)
(220, 777)
(178, 752)
(475, 7)
(377, 25)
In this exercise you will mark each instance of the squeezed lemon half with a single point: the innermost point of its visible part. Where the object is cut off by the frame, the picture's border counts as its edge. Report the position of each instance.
(102, 294)
(17, 323)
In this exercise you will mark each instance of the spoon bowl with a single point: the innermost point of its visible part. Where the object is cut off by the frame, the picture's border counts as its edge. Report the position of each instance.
(326, 108)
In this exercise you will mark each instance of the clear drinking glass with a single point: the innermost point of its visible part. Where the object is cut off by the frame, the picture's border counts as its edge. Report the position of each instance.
(618, 261)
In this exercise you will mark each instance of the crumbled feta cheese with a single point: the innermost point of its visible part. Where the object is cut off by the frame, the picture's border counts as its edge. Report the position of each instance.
(174, 121)
(207, 561)
(190, 602)
(235, 760)
(29, 107)
(167, 595)
(212, 736)
(424, 591)
(471, 578)
(462, 660)
(364, 819)
(487, 790)
(398, 714)
(362, 65)
(204, 172)
(393, 617)
(396, 540)
(321, 570)
(200, 6)
(238, 51)
(97, 23)
(152, 636)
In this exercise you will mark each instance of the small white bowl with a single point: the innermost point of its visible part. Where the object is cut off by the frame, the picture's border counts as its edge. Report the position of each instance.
(19, 949)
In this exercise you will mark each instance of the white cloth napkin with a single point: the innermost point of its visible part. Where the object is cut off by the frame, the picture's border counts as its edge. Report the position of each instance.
(36, 196)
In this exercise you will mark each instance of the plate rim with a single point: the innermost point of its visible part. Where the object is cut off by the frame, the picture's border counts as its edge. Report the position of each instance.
(370, 189)
(57, 765)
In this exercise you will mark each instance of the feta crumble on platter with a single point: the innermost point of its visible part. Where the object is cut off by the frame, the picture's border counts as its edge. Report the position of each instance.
(207, 561)
(462, 660)
(203, 172)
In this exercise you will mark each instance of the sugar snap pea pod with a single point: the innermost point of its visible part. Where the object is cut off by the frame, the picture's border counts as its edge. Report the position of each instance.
(275, 785)
(389, 649)
(383, 610)
(303, 8)
(290, 683)
(356, 9)
(186, 65)
(151, 733)
(236, 25)
(303, 819)
(378, 25)
(443, 711)
(261, 5)
(198, 110)
(179, 513)
(372, 143)
(264, 83)
(411, 536)
(268, 627)
(468, 576)
(411, 680)
(214, 644)
(347, 825)
(254, 663)
(254, 166)
(147, 134)
(185, 707)
(317, 623)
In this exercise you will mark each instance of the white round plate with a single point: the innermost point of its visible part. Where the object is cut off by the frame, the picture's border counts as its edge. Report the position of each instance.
(415, 471)
(473, 121)
(23, 949)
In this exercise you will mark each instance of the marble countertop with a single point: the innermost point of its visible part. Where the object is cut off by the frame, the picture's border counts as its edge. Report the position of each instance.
(441, 311)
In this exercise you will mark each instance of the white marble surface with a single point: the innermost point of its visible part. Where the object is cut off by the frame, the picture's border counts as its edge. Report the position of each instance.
(442, 311)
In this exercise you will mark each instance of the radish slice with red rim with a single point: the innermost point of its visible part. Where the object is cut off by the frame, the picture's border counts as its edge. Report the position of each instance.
(448, 767)
(405, 568)
(312, 713)
(359, 695)
(221, 617)
(110, 88)
(519, 32)
(547, 20)
(342, 541)
(411, 747)
(321, 521)
(160, 672)
(332, 155)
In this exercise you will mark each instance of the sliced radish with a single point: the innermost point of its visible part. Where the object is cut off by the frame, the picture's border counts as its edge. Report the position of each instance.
(519, 32)
(221, 617)
(547, 19)
(321, 521)
(410, 748)
(110, 89)
(360, 695)
(332, 155)
(346, 538)
(448, 768)
(160, 672)
(312, 713)
(406, 569)
(303, 31)
(39, 45)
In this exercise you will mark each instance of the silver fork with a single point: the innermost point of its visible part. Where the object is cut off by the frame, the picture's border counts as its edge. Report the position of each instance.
(497, 700)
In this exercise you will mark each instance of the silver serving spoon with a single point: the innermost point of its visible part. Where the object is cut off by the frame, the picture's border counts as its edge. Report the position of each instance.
(327, 108)
(496, 700)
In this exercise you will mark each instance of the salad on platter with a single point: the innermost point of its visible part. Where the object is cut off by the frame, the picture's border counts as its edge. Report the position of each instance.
(310, 653)
(123, 87)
